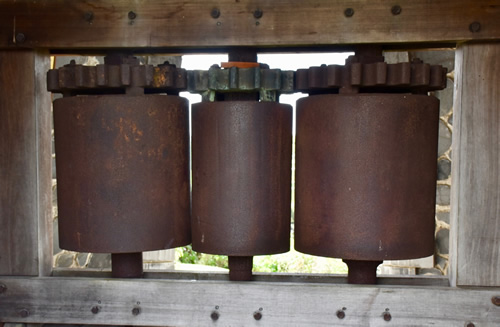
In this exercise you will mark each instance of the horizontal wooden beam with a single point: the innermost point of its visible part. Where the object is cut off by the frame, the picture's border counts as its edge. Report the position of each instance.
(60, 24)
(191, 303)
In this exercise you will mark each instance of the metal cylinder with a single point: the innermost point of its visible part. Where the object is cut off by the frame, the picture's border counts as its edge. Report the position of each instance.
(241, 177)
(122, 173)
(366, 176)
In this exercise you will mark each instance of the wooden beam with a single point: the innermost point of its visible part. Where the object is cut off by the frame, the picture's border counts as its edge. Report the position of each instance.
(190, 303)
(475, 211)
(60, 24)
(25, 161)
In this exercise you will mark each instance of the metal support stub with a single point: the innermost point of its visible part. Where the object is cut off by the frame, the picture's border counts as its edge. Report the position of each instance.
(362, 272)
(240, 268)
(241, 180)
(126, 265)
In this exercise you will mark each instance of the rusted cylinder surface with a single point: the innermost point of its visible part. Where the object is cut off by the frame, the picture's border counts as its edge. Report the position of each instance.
(241, 177)
(122, 172)
(362, 272)
(366, 176)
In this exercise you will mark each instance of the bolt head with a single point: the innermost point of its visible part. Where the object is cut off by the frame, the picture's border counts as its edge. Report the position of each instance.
(215, 13)
(136, 311)
(349, 12)
(20, 38)
(396, 10)
(341, 314)
(214, 315)
(132, 15)
(89, 15)
(257, 316)
(469, 324)
(24, 313)
(387, 316)
(495, 300)
(475, 27)
(258, 13)
(95, 310)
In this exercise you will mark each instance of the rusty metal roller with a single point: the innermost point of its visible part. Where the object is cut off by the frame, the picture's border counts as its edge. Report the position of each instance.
(123, 175)
(241, 180)
(366, 178)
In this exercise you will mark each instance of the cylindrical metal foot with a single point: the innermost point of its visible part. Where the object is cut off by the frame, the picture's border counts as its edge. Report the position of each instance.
(126, 265)
(362, 272)
(240, 268)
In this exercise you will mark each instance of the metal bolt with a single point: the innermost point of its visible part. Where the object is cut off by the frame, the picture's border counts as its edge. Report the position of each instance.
(387, 316)
(258, 13)
(20, 38)
(475, 27)
(88, 16)
(132, 15)
(469, 324)
(495, 300)
(396, 10)
(340, 314)
(136, 311)
(24, 313)
(349, 12)
(3, 288)
(215, 13)
(214, 315)
(257, 315)
(95, 310)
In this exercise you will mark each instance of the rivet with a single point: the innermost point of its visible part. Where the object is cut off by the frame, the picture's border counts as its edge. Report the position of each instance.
(136, 311)
(3, 288)
(88, 16)
(20, 38)
(24, 313)
(469, 324)
(349, 12)
(340, 314)
(215, 13)
(132, 15)
(396, 10)
(495, 300)
(214, 315)
(475, 27)
(95, 310)
(219, 23)
(387, 316)
(257, 315)
(258, 13)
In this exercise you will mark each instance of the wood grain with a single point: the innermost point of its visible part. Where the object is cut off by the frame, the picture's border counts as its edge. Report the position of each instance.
(182, 24)
(190, 303)
(25, 164)
(475, 210)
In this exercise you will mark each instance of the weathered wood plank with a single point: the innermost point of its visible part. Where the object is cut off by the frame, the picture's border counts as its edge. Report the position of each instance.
(190, 303)
(25, 164)
(440, 281)
(475, 202)
(106, 23)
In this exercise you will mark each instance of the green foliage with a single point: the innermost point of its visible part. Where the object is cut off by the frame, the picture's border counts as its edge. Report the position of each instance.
(291, 261)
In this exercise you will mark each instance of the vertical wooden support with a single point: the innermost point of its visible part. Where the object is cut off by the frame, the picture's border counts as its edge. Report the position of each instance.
(25, 164)
(475, 211)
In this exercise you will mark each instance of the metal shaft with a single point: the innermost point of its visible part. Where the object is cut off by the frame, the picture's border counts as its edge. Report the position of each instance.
(240, 268)
(362, 272)
(126, 265)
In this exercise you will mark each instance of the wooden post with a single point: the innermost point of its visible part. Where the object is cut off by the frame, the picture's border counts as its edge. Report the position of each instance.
(475, 204)
(25, 164)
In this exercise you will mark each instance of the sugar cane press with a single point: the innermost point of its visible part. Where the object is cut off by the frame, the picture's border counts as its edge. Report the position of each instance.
(241, 151)
(122, 159)
(366, 161)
